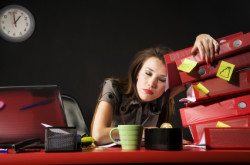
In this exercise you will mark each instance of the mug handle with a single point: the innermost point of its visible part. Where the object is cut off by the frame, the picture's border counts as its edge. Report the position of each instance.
(110, 135)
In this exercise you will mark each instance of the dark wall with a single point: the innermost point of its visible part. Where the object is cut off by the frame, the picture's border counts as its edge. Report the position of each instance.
(78, 43)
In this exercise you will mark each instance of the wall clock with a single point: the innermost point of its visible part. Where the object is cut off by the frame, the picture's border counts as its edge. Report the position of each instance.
(16, 23)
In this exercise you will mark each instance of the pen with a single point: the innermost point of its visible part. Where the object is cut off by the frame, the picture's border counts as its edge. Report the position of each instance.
(2, 150)
(37, 103)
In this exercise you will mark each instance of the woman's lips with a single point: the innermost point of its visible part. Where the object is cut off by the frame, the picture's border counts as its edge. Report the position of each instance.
(148, 91)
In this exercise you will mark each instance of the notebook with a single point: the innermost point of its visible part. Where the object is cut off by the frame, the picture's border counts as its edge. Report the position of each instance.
(24, 108)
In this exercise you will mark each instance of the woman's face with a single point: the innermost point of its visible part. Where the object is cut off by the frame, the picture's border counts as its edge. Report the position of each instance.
(151, 79)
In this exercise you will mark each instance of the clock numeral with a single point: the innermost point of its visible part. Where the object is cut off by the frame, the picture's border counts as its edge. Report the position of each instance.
(5, 16)
(8, 32)
(20, 34)
(2, 22)
(26, 18)
(14, 34)
(25, 29)
(3, 27)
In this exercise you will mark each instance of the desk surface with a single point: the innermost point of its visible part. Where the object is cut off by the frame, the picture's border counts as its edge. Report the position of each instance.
(116, 155)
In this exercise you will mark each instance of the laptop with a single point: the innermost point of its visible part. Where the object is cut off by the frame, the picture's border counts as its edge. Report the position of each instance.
(24, 108)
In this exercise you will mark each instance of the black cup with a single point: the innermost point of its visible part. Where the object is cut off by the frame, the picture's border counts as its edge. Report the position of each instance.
(166, 139)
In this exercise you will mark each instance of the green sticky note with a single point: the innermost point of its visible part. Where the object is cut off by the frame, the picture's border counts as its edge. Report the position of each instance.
(225, 70)
(220, 124)
(201, 88)
(187, 65)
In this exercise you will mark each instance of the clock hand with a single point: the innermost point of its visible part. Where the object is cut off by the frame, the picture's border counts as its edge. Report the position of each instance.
(18, 19)
(14, 19)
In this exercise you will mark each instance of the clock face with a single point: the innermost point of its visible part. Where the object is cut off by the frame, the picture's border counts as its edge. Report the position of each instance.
(16, 23)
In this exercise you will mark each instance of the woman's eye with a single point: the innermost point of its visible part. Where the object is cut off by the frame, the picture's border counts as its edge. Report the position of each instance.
(148, 73)
(162, 80)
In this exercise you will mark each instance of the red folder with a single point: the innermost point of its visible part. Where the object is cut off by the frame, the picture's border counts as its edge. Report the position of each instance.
(227, 138)
(207, 71)
(173, 74)
(219, 88)
(221, 109)
(197, 130)
(228, 48)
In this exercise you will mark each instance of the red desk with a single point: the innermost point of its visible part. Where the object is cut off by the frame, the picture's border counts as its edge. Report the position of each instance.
(117, 156)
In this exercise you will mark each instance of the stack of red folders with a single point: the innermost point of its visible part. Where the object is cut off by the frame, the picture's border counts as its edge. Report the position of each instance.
(227, 84)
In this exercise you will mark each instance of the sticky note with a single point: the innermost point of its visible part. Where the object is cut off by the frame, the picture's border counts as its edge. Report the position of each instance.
(187, 65)
(201, 88)
(225, 70)
(220, 124)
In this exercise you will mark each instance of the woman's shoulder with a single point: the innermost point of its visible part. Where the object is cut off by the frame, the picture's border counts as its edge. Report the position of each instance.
(110, 92)
(110, 83)
(110, 86)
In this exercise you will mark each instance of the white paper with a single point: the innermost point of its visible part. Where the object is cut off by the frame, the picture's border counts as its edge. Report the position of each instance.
(190, 95)
(108, 145)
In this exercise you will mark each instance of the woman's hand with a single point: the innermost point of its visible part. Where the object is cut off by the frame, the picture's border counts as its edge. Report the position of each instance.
(207, 46)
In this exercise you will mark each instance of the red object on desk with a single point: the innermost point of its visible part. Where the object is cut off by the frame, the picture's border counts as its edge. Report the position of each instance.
(116, 155)
(26, 107)
(227, 138)
(197, 130)
(216, 110)
(171, 58)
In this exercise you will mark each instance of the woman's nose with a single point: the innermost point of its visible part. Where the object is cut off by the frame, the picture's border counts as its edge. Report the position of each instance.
(152, 82)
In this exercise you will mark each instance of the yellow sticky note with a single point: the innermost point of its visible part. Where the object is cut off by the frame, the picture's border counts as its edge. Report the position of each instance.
(225, 70)
(220, 124)
(201, 88)
(187, 65)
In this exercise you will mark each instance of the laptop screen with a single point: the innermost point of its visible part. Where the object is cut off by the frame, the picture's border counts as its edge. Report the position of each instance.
(24, 108)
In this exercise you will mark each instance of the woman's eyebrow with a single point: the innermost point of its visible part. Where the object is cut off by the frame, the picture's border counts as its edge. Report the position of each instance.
(164, 76)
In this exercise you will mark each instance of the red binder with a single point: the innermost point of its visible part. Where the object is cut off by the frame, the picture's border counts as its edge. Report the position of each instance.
(197, 130)
(228, 48)
(207, 71)
(173, 74)
(227, 138)
(221, 109)
(219, 88)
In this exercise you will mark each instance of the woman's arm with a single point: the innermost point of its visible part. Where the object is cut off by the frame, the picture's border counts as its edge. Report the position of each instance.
(101, 124)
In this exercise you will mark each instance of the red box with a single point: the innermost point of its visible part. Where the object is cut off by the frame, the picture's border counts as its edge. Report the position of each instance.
(197, 130)
(227, 138)
(221, 109)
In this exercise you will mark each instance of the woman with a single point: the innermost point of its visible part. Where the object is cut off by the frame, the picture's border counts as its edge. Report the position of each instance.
(141, 98)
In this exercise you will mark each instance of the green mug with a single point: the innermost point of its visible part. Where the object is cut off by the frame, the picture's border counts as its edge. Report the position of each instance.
(130, 136)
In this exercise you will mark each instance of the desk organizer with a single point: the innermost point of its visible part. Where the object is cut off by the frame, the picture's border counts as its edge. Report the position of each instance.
(60, 139)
